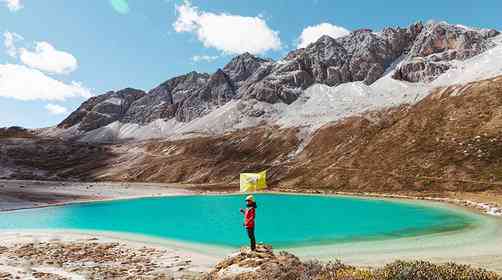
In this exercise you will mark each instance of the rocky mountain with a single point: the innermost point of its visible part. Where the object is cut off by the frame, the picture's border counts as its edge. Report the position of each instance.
(263, 90)
(361, 56)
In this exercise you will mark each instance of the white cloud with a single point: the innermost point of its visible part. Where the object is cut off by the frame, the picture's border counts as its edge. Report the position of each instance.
(207, 58)
(231, 34)
(13, 5)
(312, 33)
(10, 39)
(55, 109)
(24, 83)
(46, 58)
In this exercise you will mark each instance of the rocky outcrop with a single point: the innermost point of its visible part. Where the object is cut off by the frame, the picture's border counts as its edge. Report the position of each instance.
(260, 264)
(101, 110)
(438, 44)
(216, 92)
(420, 70)
(163, 101)
(241, 67)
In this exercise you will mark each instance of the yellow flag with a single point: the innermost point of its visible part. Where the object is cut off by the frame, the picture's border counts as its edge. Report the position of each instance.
(251, 182)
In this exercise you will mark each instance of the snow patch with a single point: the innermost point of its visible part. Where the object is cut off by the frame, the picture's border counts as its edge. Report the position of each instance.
(236, 114)
(57, 132)
(321, 104)
(483, 66)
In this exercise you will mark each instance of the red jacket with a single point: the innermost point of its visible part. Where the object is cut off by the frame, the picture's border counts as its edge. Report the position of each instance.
(249, 216)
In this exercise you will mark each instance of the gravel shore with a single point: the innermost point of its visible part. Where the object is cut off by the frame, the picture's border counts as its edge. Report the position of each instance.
(68, 255)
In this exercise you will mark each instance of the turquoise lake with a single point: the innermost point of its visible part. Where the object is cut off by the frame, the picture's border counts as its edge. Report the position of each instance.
(282, 220)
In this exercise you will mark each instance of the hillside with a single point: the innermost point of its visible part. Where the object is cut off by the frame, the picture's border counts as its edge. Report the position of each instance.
(451, 140)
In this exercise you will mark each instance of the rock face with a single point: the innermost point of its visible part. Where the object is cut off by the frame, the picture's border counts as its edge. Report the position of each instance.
(104, 109)
(438, 44)
(241, 67)
(361, 56)
(420, 70)
(163, 101)
(426, 51)
(217, 91)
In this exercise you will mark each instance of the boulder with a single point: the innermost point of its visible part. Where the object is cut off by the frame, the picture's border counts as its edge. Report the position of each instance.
(420, 70)
(260, 264)
(436, 45)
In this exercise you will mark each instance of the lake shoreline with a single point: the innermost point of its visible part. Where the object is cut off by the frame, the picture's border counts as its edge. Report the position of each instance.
(474, 247)
(79, 192)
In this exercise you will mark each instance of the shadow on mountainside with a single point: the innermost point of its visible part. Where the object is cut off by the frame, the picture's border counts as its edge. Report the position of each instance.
(35, 158)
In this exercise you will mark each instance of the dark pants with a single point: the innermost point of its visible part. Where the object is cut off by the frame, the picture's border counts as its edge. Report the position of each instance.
(252, 239)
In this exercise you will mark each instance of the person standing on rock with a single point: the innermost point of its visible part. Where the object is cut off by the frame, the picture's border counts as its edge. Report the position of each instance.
(249, 217)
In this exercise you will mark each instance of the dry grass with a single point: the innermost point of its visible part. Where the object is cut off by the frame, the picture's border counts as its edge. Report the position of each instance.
(400, 270)
(15, 132)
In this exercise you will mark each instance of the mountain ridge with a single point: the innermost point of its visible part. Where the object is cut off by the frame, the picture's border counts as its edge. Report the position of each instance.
(419, 53)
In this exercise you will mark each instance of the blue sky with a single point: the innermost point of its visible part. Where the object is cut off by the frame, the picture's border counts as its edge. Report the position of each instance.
(63, 51)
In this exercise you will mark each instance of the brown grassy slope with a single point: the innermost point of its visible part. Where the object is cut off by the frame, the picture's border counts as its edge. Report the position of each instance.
(209, 159)
(199, 160)
(52, 159)
(15, 132)
(451, 140)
